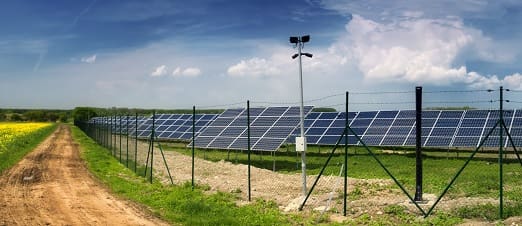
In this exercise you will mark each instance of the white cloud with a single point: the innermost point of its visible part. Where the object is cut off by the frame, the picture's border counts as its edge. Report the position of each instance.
(255, 67)
(89, 59)
(187, 72)
(159, 71)
(417, 50)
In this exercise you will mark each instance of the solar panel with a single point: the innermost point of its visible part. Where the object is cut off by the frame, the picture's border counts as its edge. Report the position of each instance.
(456, 128)
(173, 126)
(270, 127)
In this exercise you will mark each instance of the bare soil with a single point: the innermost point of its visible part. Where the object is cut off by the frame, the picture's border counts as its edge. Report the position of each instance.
(52, 186)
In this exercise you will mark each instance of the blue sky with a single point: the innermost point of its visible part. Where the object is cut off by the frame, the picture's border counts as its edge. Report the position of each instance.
(176, 54)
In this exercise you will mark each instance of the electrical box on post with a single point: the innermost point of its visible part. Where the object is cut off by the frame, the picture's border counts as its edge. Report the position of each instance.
(300, 144)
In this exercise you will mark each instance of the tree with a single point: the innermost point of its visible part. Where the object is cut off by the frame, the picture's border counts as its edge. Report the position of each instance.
(83, 114)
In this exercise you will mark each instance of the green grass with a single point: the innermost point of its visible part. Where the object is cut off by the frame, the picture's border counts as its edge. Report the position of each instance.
(178, 204)
(17, 150)
(479, 179)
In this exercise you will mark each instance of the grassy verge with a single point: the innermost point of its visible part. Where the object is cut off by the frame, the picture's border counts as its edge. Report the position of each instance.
(178, 204)
(17, 150)
(479, 179)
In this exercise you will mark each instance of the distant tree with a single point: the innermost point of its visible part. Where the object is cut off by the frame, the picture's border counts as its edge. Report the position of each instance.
(52, 117)
(35, 116)
(16, 117)
(83, 114)
(64, 117)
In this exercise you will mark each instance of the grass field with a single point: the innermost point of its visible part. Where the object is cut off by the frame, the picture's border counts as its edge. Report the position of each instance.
(179, 204)
(479, 179)
(17, 139)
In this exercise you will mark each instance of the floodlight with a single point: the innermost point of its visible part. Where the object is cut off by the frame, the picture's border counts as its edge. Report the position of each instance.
(305, 38)
(294, 39)
(295, 55)
(307, 54)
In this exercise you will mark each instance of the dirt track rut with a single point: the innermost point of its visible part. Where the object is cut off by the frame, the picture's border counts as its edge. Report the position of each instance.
(51, 186)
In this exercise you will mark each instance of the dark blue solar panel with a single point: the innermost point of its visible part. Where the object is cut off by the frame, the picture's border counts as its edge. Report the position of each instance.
(443, 132)
(275, 111)
(481, 114)
(231, 112)
(518, 113)
(372, 140)
(287, 121)
(451, 114)
(406, 114)
(430, 114)
(316, 131)
(329, 139)
(242, 143)
(438, 141)
(376, 131)
(221, 142)
(313, 115)
(268, 144)
(358, 131)
(393, 140)
(322, 123)
(335, 131)
(338, 123)
(382, 122)
(517, 122)
(367, 114)
(427, 122)
(472, 122)
(387, 114)
(447, 122)
(404, 122)
(462, 141)
(328, 115)
(399, 130)
(361, 122)
(469, 131)
(271, 126)
(516, 131)
(279, 132)
(233, 131)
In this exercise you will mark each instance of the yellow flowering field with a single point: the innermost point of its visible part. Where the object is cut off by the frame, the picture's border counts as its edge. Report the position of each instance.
(14, 132)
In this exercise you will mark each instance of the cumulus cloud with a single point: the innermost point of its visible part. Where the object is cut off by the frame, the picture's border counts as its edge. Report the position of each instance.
(89, 59)
(159, 71)
(187, 72)
(416, 50)
(255, 67)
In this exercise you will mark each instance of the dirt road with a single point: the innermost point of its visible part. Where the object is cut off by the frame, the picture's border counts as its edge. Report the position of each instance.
(51, 186)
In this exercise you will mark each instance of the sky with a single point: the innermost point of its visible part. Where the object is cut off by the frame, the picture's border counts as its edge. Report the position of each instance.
(172, 54)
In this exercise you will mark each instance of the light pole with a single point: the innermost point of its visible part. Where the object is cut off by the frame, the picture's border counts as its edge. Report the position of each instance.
(300, 142)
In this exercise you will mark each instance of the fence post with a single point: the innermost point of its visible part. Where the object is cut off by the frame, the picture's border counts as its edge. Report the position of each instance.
(418, 144)
(249, 150)
(347, 123)
(500, 153)
(193, 140)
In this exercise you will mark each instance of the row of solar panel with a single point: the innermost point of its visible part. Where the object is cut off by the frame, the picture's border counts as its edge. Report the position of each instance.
(388, 128)
(269, 128)
(397, 128)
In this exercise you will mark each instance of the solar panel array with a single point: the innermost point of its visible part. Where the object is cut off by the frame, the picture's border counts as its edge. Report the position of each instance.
(269, 128)
(127, 123)
(174, 126)
(397, 128)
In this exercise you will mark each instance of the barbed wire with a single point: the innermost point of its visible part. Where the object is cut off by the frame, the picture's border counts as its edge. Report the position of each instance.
(459, 91)
(383, 92)
(459, 102)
